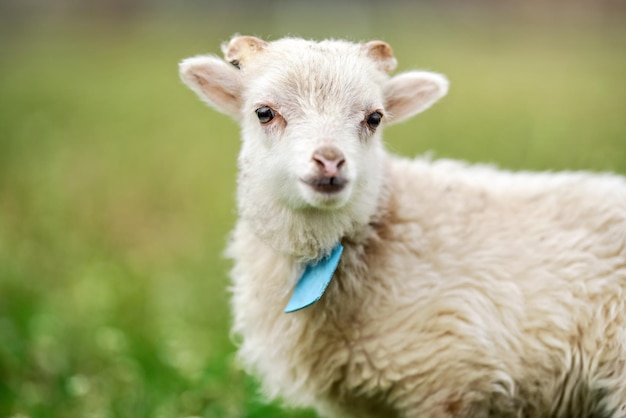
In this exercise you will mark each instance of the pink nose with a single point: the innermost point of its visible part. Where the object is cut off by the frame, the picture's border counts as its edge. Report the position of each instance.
(329, 159)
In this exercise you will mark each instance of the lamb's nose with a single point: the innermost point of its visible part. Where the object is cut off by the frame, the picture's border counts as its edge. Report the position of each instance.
(330, 159)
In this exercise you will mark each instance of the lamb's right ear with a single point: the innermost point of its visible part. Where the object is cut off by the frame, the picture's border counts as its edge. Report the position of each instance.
(410, 93)
(217, 82)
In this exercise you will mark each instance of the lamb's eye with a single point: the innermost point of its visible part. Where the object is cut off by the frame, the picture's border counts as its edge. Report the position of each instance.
(265, 114)
(373, 119)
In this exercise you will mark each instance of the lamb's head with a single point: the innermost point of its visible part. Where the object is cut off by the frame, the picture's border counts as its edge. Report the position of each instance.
(311, 114)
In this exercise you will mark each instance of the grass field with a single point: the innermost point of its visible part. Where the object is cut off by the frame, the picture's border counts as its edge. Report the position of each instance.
(117, 192)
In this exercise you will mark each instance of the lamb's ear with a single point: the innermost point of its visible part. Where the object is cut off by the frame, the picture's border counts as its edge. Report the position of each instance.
(382, 54)
(242, 48)
(410, 93)
(215, 81)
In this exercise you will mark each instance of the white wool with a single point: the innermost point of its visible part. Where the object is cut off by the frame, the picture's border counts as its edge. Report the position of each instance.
(463, 290)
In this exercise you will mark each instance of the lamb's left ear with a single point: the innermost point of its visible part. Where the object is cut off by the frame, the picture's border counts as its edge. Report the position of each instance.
(410, 93)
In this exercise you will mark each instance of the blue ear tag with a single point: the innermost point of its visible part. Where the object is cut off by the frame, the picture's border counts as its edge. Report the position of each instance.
(314, 281)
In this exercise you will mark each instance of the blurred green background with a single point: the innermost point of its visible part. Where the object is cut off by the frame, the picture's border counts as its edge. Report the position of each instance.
(117, 184)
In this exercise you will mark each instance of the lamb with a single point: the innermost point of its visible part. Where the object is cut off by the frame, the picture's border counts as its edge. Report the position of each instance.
(460, 291)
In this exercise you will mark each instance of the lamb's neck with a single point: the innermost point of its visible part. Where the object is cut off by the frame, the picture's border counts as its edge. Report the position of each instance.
(308, 234)
(305, 234)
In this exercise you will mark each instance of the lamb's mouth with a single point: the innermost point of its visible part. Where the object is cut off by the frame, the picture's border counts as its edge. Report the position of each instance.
(327, 185)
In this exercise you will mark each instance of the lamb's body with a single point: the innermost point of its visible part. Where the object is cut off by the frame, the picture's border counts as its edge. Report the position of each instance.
(463, 291)
(475, 290)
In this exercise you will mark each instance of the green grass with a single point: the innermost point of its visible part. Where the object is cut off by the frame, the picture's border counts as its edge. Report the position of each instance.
(117, 193)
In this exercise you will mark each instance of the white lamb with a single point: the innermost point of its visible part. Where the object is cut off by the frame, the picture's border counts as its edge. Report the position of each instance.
(462, 291)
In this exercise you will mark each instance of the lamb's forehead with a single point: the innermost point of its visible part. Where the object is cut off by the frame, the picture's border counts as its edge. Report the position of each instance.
(343, 57)
(332, 67)
(304, 49)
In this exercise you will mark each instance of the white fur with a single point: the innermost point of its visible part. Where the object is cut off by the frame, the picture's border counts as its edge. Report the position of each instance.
(462, 291)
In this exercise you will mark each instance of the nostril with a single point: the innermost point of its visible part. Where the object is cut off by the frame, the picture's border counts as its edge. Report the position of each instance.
(319, 161)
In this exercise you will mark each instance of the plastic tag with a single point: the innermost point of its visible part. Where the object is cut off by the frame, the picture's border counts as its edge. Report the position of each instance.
(314, 281)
